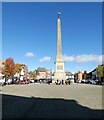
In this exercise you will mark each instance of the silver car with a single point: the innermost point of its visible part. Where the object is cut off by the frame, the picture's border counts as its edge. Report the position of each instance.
(92, 82)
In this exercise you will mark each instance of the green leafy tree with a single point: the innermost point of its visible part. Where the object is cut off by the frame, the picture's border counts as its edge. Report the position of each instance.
(33, 74)
(100, 71)
(9, 68)
(36, 73)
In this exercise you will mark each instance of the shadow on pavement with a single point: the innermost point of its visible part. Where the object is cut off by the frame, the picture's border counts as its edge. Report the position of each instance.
(34, 107)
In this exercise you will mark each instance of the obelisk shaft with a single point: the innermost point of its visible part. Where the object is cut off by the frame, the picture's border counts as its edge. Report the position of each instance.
(59, 41)
(59, 73)
(59, 46)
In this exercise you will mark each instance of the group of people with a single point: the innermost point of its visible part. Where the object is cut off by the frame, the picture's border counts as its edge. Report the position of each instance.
(58, 82)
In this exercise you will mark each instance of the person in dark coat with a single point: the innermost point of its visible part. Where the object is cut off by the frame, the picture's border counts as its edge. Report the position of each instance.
(62, 81)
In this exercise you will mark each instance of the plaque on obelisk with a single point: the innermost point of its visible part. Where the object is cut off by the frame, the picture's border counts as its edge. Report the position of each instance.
(59, 63)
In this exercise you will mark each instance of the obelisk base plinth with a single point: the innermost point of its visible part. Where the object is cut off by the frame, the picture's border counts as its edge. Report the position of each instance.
(59, 76)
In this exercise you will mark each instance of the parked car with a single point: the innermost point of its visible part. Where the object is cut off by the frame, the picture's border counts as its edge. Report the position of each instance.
(100, 82)
(78, 81)
(42, 80)
(93, 82)
(49, 81)
(23, 81)
(36, 80)
(87, 81)
(9, 81)
(32, 81)
(27, 82)
(14, 80)
(83, 81)
(2, 81)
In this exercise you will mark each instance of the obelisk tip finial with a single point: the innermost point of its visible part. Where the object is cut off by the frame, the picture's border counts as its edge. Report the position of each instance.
(59, 14)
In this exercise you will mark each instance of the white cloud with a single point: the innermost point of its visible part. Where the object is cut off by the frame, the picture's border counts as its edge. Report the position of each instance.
(84, 58)
(45, 59)
(68, 58)
(29, 54)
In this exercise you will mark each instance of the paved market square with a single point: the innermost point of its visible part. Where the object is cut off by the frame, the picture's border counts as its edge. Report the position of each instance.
(52, 101)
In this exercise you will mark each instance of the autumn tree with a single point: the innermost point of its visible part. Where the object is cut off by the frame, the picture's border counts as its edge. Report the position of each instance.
(9, 68)
(18, 68)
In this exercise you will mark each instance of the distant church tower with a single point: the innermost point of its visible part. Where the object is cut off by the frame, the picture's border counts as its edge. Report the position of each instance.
(59, 63)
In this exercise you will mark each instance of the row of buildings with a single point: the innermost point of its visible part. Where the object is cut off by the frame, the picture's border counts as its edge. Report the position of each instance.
(44, 73)
(84, 75)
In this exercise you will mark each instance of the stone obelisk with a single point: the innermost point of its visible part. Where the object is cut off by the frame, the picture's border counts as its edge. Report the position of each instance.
(59, 63)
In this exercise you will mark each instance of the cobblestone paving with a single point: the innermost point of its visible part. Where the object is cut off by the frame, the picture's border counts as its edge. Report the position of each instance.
(52, 101)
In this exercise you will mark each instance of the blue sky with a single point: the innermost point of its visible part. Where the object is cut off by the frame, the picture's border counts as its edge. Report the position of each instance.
(29, 33)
